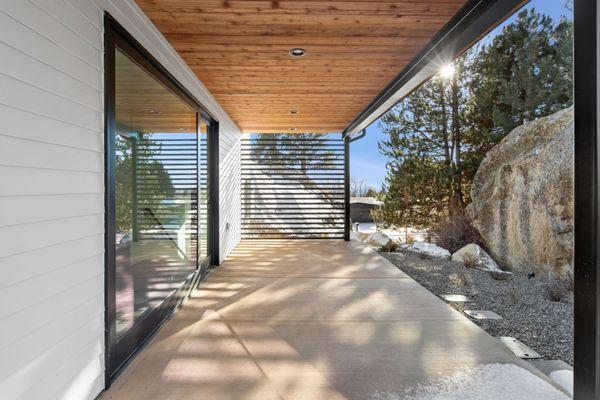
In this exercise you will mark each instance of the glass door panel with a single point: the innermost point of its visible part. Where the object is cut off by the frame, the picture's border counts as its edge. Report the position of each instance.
(158, 183)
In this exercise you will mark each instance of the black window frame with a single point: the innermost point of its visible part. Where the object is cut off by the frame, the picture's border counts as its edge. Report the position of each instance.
(116, 36)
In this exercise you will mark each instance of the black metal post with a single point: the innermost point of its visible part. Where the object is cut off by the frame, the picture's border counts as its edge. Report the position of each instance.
(213, 191)
(109, 202)
(346, 188)
(586, 329)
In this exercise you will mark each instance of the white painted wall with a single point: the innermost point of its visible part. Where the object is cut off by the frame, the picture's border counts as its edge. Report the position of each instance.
(51, 189)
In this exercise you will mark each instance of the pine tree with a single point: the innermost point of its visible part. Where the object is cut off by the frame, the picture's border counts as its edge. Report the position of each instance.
(438, 136)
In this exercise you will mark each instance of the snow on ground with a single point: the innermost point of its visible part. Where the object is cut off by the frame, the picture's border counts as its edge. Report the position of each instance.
(398, 234)
(486, 382)
(430, 249)
(564, 378)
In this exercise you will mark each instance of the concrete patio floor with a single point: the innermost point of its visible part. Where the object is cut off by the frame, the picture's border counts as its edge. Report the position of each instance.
(305, 319)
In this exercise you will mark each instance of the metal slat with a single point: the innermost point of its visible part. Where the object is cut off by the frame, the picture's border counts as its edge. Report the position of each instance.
(272, 208)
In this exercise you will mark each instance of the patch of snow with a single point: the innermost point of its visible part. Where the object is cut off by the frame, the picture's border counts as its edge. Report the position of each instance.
(430, 249)
(486, 382)
(564, 378)
(398, 234)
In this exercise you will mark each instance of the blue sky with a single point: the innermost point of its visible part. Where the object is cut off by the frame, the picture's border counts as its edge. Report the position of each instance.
(365, 161)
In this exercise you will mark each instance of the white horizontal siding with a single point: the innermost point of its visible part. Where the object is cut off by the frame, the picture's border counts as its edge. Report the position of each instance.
(52, 191)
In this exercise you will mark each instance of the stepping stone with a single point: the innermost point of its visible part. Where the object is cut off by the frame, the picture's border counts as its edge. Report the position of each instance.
(482, 314)
(519, 348)
(455, 298)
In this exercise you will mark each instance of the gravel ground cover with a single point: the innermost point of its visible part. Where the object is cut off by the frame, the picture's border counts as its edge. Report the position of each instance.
(545, 326)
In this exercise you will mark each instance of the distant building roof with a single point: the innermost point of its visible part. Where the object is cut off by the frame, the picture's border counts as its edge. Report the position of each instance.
(366, 200)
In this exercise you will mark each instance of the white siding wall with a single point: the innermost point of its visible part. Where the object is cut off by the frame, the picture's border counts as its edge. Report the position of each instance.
(51, 190)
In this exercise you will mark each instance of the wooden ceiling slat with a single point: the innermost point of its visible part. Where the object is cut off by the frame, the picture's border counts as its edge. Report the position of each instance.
(239, 49)
(305, 7)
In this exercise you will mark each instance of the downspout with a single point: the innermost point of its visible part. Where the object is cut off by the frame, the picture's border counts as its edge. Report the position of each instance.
(347, 141)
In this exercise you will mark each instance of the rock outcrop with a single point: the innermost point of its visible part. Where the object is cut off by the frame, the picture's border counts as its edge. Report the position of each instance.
(523, 196)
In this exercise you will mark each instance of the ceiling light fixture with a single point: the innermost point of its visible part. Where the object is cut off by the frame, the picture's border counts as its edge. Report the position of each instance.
(297, 52)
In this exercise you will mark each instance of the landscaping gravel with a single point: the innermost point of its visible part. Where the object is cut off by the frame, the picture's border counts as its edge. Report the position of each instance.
(545, 326)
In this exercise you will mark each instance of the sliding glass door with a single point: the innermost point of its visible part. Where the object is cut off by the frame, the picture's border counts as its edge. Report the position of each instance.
(157, 199)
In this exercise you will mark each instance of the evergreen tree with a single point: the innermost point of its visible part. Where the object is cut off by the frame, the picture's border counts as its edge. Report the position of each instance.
(437, 136)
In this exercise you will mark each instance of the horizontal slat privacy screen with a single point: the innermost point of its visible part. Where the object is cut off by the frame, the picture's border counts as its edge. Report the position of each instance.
(292, 186)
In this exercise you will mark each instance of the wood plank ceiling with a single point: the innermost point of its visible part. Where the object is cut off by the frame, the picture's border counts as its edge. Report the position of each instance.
(240, 50)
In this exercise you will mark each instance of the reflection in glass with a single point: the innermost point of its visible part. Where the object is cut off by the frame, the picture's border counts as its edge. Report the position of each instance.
(156, 195)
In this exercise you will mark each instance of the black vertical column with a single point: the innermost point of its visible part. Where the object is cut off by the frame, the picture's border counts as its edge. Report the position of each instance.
(347, 188)
(586, 328)
(213, 190)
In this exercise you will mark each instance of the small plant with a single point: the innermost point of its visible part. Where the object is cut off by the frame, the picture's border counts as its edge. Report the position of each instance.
(515, 295)
(458, 279)
(470, 261)
(389, 247)
(410, 239)
(498, 276)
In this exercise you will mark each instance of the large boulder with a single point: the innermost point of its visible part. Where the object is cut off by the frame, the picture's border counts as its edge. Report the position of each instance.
(378, 239)
(478, 255)
(523, 196)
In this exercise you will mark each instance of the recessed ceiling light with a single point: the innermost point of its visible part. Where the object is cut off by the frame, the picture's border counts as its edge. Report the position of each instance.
(297, 52)
(294, 112)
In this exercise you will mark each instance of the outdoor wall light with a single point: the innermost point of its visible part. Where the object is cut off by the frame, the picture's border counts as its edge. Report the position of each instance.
(294, 112)
(154, 112)
(293, 129)
(297, 52)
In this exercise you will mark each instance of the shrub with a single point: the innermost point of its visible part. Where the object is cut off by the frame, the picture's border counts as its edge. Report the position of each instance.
(456, 232)
(390, 247)
(498, 276)
(558, 286)
(555, 290)
(470, 261)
